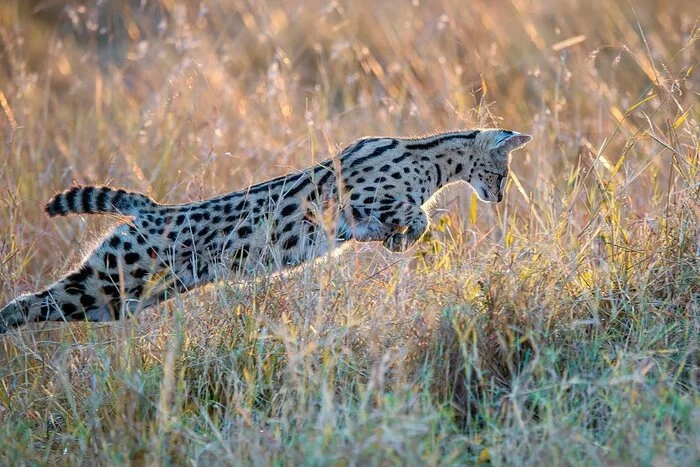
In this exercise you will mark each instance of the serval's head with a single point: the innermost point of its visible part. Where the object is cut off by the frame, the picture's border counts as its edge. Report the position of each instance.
(492, 157)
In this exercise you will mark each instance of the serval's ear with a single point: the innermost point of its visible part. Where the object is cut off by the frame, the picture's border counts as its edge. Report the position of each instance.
(509, 141)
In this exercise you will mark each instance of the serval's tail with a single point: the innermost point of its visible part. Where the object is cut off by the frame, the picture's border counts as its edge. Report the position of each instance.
(93, 199)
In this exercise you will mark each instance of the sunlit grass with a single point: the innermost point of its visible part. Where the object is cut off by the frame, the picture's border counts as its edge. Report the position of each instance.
(558, 327)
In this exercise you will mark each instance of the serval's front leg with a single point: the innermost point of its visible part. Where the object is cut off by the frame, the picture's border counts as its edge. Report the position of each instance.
(412, 224)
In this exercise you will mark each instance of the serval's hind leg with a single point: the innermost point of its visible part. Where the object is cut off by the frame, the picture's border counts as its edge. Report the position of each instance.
(113, 279)
(53, 304)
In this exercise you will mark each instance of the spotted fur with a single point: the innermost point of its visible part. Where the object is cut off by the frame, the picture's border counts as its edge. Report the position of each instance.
(376, 189)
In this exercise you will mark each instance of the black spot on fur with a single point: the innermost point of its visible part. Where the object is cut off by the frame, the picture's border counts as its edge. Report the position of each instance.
(385, 215)
(244, 231)
(208, 240)
(239, 257)
(110, 290)
(291, 242)
(139, 273)
(131, 258)
(439, 175)
(87, 300)
(81, 274)
(68, 309)
(401, 157)
(110, 260)
(310, 228)
(44, 311)
(289, 209)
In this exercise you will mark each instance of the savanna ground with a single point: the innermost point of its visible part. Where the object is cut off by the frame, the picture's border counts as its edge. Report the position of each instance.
(560, 327)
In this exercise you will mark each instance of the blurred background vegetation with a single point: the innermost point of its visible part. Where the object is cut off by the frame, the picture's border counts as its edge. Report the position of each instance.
(559, 327)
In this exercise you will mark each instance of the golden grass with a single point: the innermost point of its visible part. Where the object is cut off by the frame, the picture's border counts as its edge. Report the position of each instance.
(559, 327)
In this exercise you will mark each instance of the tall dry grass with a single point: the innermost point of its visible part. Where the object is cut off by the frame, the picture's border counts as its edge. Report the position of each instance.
(559, 327)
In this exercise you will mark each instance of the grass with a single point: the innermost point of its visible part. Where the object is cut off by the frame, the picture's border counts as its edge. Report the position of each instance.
(560, 327)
